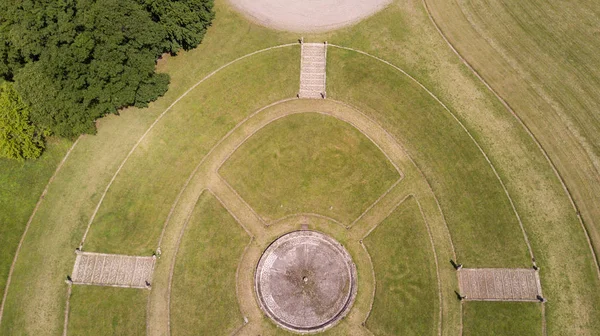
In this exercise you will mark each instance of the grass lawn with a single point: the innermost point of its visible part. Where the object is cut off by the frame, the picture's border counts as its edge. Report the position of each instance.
(107, 311)
(541, 57)
(406, 294)
(134, 211)
(22, 184)
(310, 163)
(36, 298)
(203, 299)
(483, 225)
(502, 318)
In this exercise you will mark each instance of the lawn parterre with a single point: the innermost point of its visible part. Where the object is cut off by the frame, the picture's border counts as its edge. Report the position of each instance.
(405, 298)
(479, 177)
(310, 163)
(203, 299)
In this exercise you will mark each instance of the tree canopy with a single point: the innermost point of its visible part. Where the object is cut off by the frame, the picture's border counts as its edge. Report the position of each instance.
(73, 61)
(19, 139)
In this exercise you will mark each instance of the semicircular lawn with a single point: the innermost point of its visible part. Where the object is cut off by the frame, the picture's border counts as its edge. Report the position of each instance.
(309, 163)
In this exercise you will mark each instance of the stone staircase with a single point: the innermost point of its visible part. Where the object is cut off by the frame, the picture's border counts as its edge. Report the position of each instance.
(312, 70)
(112, 270)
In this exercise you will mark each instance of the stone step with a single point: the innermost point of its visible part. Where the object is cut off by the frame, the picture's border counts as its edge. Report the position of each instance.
(313, 71)
(311, 76)
(313, 51)
(319, 58)
(313, 82)
(310, 94)
(500, 284)
(315, 88)
(112, 270)
(309, 65)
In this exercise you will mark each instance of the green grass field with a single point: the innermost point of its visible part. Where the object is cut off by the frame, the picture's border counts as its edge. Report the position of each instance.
(107, 311)
(484, 227)
(22, 184)
(134, 211)
(204, 296)
(502, 318)
(476, 172)
(540, 56)
(310, 163)
(406, 295)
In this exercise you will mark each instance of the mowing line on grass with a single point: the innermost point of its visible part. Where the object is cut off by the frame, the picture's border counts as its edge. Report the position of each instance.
(544, 332)
(526, 238)
(35, 209)
(529, 132)
(156, 121)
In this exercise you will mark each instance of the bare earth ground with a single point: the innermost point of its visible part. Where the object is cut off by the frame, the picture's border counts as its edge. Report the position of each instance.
(308, 15)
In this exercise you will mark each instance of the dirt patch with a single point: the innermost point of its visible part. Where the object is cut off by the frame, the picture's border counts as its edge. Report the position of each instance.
(308, 15)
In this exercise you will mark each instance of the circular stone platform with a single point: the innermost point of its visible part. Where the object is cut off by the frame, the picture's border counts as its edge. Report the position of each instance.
(308, 15)
(306, 281)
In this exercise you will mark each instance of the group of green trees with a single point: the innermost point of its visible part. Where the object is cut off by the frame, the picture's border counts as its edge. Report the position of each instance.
(66, 63)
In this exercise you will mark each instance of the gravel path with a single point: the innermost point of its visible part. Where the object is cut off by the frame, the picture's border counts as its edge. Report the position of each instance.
(308, 15)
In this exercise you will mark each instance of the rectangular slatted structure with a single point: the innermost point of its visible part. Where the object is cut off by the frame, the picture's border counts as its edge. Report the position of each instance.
(312, 70)
(114, 270)
(499, 284)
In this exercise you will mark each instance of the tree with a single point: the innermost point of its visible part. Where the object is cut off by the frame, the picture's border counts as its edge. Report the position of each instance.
(74, 61)
(185, 21)
(106, 64)
(19, 139)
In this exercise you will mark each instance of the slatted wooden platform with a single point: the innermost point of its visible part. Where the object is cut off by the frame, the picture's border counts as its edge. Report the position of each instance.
(112, 270)
(499, 284)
